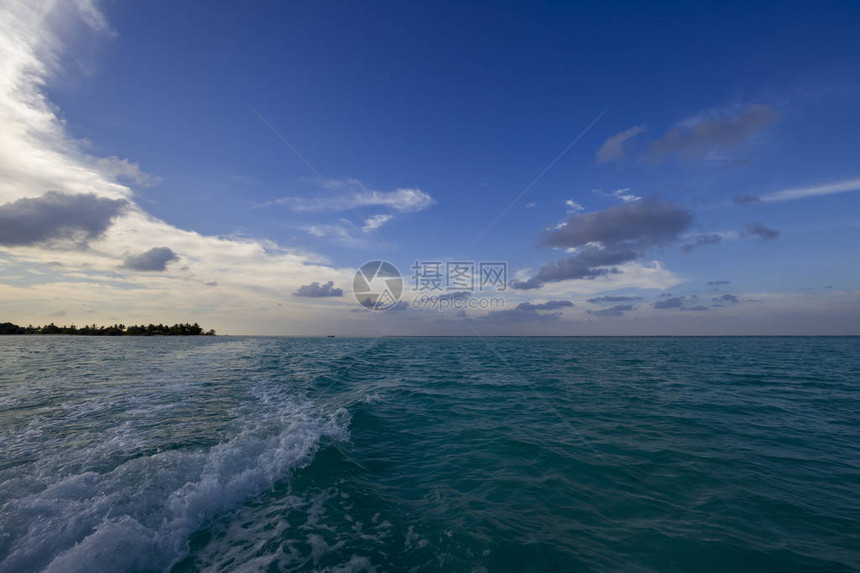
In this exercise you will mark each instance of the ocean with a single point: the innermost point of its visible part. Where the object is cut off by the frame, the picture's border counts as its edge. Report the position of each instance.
(429, 454)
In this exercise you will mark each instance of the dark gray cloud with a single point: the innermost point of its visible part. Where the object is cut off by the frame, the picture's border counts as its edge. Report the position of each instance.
(155, 259)
(636, 225)
(624, 232)
(396, 307)
(718, 283)
(613, 148)
(57, 217)
(681, 303)
(616, 310)
(317, 290)
(703, 137)
(526, 311)
(746, 200)
(760, 231)
(674, 302)
(527, 284)
(726, 298)
(701, 241)
(613, 298)
(582, 266)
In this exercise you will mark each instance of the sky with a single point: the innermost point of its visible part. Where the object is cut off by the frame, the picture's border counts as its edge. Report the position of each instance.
(662, 169)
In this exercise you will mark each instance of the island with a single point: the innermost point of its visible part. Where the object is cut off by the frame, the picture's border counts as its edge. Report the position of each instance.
(184, 329)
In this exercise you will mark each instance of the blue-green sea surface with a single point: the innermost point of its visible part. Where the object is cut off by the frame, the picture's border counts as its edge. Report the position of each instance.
(429, 454)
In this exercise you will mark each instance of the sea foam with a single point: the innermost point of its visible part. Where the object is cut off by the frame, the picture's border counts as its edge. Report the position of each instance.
(139, 516)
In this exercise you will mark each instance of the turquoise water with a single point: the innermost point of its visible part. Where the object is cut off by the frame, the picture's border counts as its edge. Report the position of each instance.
(438, 454)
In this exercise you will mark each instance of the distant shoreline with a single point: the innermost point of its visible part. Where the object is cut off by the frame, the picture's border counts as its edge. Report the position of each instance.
(179, 329)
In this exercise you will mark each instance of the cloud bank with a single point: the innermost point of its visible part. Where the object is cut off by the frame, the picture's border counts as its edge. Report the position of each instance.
(703, 136)
(616, 235)
(526, 311)
(613, 298)
(617, 310)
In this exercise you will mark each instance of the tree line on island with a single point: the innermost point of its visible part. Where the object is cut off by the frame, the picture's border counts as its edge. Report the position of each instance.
(183, 329)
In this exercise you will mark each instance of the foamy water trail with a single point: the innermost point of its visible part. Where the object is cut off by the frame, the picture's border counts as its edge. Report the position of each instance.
(139, 516)
(107, 497)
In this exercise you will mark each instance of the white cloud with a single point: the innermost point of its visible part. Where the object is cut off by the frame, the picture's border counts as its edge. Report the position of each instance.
(343, 232)
(351, 194)
(124, 169)
(255, 278)
(404, 200)
(35, 154)
(625, 195)
(814, 191)
(573, 205)
(375, 221)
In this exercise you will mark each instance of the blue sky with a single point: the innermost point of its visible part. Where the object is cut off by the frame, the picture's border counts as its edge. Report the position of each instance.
(429, 120)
